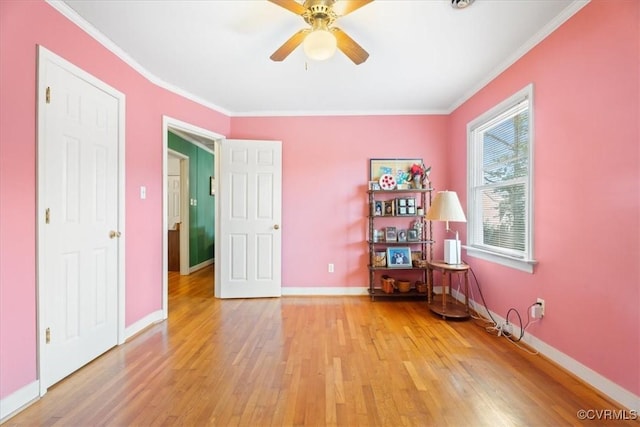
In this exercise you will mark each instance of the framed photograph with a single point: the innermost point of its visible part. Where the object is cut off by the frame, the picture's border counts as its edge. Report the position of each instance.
(411, 201)
(389, 208)
(399, 168)
(402, 210)
(411, 210)
(390, 234)
(378, 208)
(374, 185)
(402, 235)
(399, 257)
(412, 235)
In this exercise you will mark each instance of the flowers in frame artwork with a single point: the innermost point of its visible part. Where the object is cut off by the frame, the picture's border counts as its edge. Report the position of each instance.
(400, 169)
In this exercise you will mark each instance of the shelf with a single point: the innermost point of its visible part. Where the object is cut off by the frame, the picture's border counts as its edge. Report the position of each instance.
(453, 309)
(395, 216)
(413, 294)
(405, 201)
(396, 191)
(413, 242)
(394, 268)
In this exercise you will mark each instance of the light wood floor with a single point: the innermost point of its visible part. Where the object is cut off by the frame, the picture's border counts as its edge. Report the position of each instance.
(312, 361)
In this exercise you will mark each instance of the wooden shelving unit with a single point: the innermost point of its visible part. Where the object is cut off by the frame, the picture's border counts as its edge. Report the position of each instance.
(378, 221)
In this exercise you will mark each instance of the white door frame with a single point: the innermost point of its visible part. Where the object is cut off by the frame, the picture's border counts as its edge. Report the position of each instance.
(167, 124)
(184, 210)
(45, 55)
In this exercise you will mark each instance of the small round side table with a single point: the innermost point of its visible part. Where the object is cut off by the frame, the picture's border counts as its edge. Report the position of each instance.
(444, 304)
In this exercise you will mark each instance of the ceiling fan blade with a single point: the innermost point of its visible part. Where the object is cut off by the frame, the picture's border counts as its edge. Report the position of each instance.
(288, 46)
(344, 7)
(290, 5)
(353, 50)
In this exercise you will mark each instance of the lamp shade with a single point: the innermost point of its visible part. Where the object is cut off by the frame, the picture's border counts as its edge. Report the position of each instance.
(320, 44)
(446, 207)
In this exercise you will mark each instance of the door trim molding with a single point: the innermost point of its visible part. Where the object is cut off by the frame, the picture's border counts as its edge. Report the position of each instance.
(43, 56)
(167, 124)
(184, 210)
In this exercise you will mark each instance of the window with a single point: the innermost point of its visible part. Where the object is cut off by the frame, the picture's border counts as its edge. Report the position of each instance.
(500, 181)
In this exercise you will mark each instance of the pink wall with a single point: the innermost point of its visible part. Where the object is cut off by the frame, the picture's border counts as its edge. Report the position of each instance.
(587, 189)
(325, 174)
(23, 25)
(586, 101)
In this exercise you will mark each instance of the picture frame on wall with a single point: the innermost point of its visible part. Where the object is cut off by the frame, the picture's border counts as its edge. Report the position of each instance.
(398, 168)
(399, 257)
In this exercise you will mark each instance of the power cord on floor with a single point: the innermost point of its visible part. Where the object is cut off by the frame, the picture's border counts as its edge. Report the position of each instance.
(493, 327)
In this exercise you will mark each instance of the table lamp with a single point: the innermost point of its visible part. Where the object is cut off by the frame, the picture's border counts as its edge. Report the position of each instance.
(446, 207)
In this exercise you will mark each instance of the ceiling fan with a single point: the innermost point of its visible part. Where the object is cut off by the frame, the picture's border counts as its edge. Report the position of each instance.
(321, 40)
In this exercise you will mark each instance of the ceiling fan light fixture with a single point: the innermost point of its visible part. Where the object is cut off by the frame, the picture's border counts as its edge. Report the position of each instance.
(461, 4)
(320, 44)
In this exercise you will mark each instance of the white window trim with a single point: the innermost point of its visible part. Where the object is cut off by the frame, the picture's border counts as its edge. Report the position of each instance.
(516, 262)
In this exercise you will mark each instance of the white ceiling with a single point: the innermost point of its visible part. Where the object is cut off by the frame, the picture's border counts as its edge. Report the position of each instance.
(425, 56)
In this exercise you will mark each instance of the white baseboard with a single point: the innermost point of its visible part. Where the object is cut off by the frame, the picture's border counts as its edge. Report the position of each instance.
(615, 392)
(19, 400)
(201, 265)
(325, 291)
(145, 322)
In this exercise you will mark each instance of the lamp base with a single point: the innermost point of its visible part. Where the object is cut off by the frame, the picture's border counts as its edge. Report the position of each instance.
(452, 251)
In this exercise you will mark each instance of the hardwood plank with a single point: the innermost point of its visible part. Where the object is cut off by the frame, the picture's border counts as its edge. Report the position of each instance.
(308, 361)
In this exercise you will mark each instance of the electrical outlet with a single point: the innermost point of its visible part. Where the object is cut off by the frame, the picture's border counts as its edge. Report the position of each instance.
(331, 268)
(507, 329)
(542, 307)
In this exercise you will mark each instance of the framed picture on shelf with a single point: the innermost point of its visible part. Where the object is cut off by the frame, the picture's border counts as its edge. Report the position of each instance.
(374, 185)
(412, 235)
(399, 257)
(389, 208)
(402, 235)
(378, 208)
(398, 168)
(390, 234)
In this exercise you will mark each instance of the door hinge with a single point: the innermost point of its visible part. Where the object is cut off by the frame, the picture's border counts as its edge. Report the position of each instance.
(47, 335)
(47, 216)
(47, 95)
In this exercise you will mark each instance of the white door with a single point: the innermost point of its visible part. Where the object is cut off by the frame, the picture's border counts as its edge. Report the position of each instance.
(250, 212)
(78, 218)
(173, 201)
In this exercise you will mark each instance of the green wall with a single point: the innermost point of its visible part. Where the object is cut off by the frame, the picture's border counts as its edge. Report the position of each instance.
(202, 216)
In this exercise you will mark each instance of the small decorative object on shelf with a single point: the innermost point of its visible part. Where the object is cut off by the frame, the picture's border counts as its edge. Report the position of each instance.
(420, 174)
(399, 238)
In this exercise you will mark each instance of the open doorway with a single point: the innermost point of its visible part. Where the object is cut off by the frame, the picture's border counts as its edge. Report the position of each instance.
(208, 141)
(178, 212)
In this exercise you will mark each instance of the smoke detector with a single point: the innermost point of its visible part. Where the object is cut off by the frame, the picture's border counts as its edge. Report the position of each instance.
(461, 4)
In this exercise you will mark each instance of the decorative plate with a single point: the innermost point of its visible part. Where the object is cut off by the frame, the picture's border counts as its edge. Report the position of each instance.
(387, 182)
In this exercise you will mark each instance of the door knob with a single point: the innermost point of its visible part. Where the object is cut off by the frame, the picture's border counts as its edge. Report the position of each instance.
(113, 234)
(276, 227)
